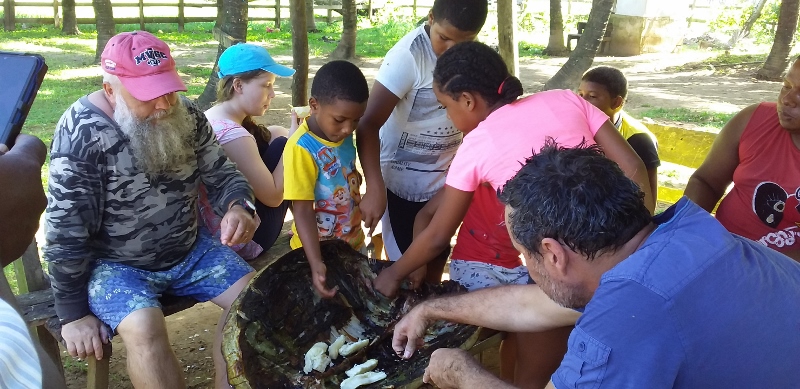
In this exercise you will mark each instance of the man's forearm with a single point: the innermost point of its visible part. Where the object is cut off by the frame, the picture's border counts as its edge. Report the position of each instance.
(513, 308)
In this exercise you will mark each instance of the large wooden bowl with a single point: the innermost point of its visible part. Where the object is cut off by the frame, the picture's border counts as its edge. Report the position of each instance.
(278, 317)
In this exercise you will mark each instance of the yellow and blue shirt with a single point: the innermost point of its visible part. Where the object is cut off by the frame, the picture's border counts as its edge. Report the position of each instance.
(325, 172)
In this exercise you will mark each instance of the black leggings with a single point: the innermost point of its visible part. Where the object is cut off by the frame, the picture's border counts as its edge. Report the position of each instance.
(271, 217)
(402, 214)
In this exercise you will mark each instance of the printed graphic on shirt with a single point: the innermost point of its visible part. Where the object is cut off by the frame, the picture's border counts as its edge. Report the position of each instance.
(770, 202)
(425, 106)
(336, 192)
(427, 147)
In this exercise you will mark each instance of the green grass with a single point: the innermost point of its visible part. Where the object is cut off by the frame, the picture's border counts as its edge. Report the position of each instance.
(724, 60)
(12, 278)
(531, 50)
(685, 115)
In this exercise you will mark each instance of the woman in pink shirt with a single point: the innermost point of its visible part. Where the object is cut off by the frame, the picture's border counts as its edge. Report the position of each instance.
(472, 83)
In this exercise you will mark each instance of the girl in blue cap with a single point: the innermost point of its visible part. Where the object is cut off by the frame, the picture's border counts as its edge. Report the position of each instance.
(246, 80)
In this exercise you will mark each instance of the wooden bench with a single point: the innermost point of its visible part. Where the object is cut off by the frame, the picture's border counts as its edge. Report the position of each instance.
(604, 43)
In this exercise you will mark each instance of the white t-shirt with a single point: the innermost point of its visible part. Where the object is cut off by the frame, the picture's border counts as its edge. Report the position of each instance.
(418, 141)
(19, 363)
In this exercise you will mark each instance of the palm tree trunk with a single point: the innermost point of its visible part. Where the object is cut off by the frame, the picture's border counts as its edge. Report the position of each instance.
(299, 53)
(106, 28)
(778, 57)
(748, 25)
(582, 57)
(346, 49)
(555, 45)
(231, 29)
(69, 24)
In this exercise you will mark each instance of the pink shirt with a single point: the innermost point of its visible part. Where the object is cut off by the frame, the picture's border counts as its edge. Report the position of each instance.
(227, 130)
(494, 151)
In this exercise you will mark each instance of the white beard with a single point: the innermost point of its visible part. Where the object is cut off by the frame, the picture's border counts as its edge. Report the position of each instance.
(161, 142)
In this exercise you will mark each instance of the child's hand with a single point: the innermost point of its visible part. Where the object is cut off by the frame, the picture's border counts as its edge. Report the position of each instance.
(372, 206)
(387, 283)
(318, 272)
(295, 122)
(416, 278)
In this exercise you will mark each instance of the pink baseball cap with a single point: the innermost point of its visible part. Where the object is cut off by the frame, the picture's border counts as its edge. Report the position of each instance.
(143, 63)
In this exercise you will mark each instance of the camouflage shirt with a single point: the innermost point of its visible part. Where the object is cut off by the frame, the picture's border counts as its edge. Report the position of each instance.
(101, 206)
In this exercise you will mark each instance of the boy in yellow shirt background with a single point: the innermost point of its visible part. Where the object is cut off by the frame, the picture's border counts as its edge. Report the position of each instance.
(320, 176)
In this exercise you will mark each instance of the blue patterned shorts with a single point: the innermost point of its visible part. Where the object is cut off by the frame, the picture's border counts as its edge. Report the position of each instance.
(210, 268)
(475, 275)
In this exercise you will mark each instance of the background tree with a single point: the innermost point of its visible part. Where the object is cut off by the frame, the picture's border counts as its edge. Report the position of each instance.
(748, 25)
(778, 57)
(346, 49)
(582, 57)
(299, 53)
(555, 45)
(69, 25)
(311, 24)
(106, 27)
(230, 29)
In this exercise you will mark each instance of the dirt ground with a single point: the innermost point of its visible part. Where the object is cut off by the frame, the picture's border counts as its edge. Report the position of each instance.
(651, 85)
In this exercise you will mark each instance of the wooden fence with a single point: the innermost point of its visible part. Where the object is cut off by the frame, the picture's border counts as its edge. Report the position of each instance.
(10, 19)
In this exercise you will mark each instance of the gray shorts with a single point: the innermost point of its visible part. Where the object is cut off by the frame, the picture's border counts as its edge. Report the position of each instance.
(475, 275)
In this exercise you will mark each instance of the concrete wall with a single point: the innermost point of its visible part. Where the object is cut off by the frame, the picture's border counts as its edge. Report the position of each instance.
(634, 35)
(681, 151)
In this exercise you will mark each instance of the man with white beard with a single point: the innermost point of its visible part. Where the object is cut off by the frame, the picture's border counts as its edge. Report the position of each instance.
(121, 220)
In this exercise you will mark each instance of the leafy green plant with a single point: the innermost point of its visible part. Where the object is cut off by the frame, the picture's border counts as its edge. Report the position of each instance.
(534, 22)
(527, 49)
(12, 278)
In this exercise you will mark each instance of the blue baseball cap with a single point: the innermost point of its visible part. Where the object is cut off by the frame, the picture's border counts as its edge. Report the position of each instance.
(245, 57)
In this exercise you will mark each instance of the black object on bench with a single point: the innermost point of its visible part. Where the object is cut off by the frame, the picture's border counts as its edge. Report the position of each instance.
(604, 43)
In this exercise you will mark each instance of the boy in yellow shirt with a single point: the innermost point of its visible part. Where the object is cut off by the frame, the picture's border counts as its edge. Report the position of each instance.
(320, 176)
(606, 88)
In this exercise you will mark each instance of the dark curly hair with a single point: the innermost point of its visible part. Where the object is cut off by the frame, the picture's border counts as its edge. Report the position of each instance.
(339, 80)
(465, 15)
(576, 196)
(476, 68)
(611, 78)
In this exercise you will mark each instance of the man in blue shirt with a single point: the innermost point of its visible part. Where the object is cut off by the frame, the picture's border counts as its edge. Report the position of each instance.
(670, 302)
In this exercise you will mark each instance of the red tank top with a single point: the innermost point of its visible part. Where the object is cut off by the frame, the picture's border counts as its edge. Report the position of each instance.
(483, 236)
(763, 204)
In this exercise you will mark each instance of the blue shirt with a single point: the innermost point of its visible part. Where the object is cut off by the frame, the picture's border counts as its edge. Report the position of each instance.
(694, 307)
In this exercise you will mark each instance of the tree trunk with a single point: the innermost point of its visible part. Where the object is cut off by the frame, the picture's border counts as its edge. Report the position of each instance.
(748, 25)
(582, 57)
(299, 53)
(106, 28)
(346, 49)
(507, 34)
(69, 25)
(231, 28)
(555, 46)
(782, 45)
(311, 24)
